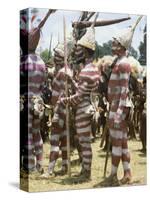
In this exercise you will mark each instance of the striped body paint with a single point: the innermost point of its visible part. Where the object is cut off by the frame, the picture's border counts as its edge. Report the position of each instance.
(33, 68)
(88, 82)
(58, 138)
(118, 99)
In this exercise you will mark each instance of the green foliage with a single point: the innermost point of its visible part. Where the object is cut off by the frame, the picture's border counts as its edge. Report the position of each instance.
(133, 52)
(106, 49)
(45, 55)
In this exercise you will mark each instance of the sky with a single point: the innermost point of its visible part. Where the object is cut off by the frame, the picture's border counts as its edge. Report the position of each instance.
(54, 27)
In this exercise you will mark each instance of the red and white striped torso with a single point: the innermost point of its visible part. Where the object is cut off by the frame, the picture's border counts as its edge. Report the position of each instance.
(58, 85)
(88, 79)
(118, 84)
(35, 67)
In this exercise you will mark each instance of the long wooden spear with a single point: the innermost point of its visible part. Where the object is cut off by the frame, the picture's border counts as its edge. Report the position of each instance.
(67, 106)
(86, 24)
(50, 44)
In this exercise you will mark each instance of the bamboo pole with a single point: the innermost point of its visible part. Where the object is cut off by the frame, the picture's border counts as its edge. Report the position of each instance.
(50, 44)
(67, 106)
(86, 24)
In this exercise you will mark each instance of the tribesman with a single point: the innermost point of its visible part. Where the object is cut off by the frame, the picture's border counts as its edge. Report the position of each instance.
(58, 139)
(118, 96)
(87, 82)
(32, 80)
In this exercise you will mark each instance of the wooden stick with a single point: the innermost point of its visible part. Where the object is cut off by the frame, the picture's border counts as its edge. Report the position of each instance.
(45, 18)
(86, 24)
(107, 156)
(90, 15)
(96, 16)
(104, 134)
(50, 44)
(67, 106)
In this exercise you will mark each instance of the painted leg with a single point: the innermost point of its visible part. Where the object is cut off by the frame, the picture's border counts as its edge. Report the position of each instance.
(54, 141)
(125, 161)
(85, 142)
(29, 155)
(63, 146)
(116, 139)
(84, 135)
(29, 158)
(38, 144)
(63, 140)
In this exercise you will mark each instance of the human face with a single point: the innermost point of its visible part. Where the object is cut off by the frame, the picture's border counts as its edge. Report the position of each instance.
(116, 47)
(79, 54)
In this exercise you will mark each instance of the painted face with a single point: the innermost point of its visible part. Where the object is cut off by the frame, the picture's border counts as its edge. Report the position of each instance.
(79, 54)
(59, 61)
(117, 47)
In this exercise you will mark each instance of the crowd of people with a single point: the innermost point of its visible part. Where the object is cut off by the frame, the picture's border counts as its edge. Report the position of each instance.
(84, 80)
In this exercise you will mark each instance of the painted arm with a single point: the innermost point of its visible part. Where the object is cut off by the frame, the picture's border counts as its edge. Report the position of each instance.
(56, 85)
(124, 75)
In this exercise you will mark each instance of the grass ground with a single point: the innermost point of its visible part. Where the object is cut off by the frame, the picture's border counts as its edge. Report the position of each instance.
(138, 165)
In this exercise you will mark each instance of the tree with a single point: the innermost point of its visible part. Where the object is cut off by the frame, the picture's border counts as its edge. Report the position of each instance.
(133, 52)
(45, 55)
(106, 49)
(102, 50)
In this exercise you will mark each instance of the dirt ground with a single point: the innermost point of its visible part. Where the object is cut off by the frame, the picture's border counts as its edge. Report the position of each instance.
(138, 165)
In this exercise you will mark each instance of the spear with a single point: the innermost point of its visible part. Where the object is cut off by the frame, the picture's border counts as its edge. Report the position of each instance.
(50, 44)
(67, 107)
(86, 24)
(104, 134)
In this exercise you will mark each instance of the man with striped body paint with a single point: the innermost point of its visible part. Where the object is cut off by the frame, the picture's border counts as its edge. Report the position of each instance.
(58, 139)
(34, 143)
(118, 96)
(88, 80)
(32, 73)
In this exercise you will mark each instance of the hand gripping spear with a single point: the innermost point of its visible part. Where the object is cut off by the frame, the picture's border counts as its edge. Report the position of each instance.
(66, 93)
